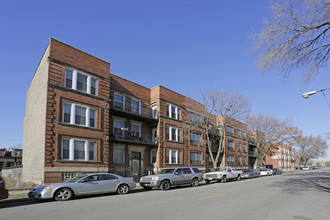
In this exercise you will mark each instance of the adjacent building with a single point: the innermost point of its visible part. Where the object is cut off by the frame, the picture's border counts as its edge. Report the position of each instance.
(282, 157)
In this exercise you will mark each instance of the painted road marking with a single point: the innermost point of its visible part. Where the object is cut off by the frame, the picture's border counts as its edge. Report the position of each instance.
(210, 197)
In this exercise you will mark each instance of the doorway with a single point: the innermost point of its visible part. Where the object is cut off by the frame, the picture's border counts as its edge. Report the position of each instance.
(136, 165)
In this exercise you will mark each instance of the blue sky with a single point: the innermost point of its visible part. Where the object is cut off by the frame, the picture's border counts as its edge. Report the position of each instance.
(184, 45)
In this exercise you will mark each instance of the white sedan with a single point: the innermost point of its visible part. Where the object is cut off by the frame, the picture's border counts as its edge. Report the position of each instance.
(266, 172)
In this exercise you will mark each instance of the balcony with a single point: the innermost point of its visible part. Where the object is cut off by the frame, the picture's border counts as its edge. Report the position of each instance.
(134, 111)
(119, 135)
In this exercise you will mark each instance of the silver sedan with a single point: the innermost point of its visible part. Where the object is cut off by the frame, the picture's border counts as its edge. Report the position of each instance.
(88, 184)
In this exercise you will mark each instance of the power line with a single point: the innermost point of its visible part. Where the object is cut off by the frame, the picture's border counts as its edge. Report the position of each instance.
(326, 99)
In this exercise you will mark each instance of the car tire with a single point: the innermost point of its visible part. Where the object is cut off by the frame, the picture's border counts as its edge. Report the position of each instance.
(123, 189)
(238, 178)
(63, 194)
(147, 188)
(224, 179)
(195, 182)
(165, 185)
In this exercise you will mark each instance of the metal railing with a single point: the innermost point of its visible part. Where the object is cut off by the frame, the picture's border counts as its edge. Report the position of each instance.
(120, 134)
(135, 108)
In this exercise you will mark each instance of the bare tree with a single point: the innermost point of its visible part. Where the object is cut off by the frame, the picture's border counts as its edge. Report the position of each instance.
(310, 148)
(296, 37)
(268, 132)
(219, 107)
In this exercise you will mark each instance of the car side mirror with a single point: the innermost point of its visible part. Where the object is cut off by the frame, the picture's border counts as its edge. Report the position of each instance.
(176, 173)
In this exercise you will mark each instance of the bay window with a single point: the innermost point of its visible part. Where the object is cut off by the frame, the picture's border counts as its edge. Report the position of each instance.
(79, 115)
(172, 134)
(76, 149)
(173, 111)
(173, 156)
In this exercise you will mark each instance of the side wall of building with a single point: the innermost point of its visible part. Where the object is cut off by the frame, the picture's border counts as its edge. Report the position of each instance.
(34, 124)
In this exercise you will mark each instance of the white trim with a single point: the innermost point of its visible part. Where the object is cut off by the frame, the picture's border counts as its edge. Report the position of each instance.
(73, 114)
(176, 111)
(75, 79)
(71, 149)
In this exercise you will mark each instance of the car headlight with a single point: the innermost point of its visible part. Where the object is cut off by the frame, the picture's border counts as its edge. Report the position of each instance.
(155, 178)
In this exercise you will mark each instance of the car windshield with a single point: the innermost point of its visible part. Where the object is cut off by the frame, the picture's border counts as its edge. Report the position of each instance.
(219, 169)
(74, 179)
(166, 171)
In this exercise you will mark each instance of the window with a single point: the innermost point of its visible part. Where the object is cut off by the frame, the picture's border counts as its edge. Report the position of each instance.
(239, 160)
(68, 175)
(74, 149)
(153, 156)
(196, 170)
(172, 111)
(244, 134)
(118, 129)
(186, 171)
(154, 135)
(238, 133)
(119, 102)
(108, 177)
(136, 106)
(195, 158)
(118, 155)
(239, 147)
(154, 111)
(172, 134)
(80, 81)
(136, 130)
(279, 163)
(195, 119)
(173, 157)
(244, 161)
(244, 147)
(230, 160)
(230, 145)
(230, 130)
(79, 115)
(195, 139)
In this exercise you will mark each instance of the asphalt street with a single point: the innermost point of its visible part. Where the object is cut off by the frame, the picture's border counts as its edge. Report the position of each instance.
(303, 195)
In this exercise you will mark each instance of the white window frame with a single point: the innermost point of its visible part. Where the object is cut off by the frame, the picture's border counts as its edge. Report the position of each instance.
(73, 115)
(120, 121)
(177, 156)
(123, 159)
(75, 77)
(114, 100)
(151, 152)
(177, 135)
(176, 112)
(139, 106)
(136, 124)
(154, 111)
(71, 149)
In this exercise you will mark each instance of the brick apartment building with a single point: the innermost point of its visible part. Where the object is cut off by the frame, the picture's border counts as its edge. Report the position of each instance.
(80, 118)
(283, 157)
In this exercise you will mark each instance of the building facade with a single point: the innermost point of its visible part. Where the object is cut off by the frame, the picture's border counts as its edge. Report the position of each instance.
(80, 118)
(283, 157)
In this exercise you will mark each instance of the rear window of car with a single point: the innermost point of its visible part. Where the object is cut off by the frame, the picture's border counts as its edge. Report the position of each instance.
(196, 170)
(108, 177)
(186, 171)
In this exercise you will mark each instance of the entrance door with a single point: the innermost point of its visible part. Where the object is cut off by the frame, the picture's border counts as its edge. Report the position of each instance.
(136, 165)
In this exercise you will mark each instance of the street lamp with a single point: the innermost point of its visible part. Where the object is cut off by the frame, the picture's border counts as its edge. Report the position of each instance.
(307, 94)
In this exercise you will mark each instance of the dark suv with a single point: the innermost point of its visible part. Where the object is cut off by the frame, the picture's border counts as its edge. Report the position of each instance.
(3, 190)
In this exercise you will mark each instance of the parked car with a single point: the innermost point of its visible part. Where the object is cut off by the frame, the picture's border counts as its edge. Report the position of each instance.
(266, 172)
(3, 190)
(250, 174)
(167, 178)
(305, 168)
(87, 184)
(277, 171)
(223, 174)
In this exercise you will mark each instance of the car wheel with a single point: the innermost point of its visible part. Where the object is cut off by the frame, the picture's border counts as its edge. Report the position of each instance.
(224, 179)
(195, 182)
(123, 189)
(238, 178)
(165, 185)
(147, 188)
(63, 194)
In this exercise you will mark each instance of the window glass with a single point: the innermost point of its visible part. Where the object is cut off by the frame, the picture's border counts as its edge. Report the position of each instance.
(136, 106)
(66, 149)
(68, 79)
(92, 178)
(167, 156)
(196, 170)
(195, 158)
(67, 113)
(178, 171)
(186, 171)
(79, 150)
(195, 139)
(195, 119)
(91, 153)
(153, 156)
(93, 86)
(80, 117)
(117, 126)
(119, 101)
(174, 156)
(81, 82)
(92, 118)
(108, 177)
(118, 155)
(154, 111)
(135, 130)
